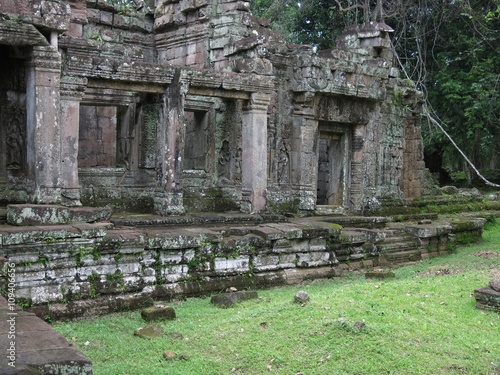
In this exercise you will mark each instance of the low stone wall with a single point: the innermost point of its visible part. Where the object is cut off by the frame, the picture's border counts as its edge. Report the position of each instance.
(81, 269)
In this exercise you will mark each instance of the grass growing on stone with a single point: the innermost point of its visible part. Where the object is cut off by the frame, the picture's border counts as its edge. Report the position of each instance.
(422, 322)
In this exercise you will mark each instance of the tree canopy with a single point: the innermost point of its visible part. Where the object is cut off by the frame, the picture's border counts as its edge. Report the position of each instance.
(451, 48)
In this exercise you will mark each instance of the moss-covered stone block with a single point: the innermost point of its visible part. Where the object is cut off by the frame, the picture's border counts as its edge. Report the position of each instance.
(158, 313)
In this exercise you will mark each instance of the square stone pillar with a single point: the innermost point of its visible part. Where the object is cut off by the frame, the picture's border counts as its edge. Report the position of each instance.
(254, 154)
(304, 157)
(43, 125)
(170, 130)
(72, 89)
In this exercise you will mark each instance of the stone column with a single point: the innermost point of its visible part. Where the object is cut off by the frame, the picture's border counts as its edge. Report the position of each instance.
(43, 125)
(168, 199)
(72, 89)
(305, 157)
(356, 191)
(254, 155)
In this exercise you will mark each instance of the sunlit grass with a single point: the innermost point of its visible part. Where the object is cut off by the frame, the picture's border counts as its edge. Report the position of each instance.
(422, 322)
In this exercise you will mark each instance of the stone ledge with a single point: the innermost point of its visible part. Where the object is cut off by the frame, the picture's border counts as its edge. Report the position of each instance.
(41, 214)
(37, 346)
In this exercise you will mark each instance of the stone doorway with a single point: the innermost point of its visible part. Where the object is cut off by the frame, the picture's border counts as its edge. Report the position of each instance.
(197, 145)
(97, 137)
(12, 113)
(334, 156)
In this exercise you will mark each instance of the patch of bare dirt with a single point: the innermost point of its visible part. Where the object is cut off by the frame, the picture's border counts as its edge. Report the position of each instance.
(440, 272)
(486, 254)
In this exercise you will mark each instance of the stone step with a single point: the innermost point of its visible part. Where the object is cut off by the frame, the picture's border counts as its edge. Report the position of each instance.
(398, 239)
(328, 210)
(355, 221)
(353, 236)
(400, 257)
(201, 219)
(398, 246)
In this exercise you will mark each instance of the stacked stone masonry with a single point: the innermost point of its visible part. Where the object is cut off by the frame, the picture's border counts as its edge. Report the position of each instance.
(196, 105)
(88, 268)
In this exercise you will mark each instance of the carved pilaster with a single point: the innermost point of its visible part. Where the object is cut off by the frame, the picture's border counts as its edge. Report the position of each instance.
(43, 124)
(72, 90)
(305, 125)
(254, 155)
(170, 148)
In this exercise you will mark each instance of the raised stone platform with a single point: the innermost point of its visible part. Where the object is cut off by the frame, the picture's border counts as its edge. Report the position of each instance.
(30, 346)
(86, 269)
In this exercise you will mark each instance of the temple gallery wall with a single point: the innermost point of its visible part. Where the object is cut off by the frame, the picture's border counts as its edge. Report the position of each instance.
(212, 141)
(173, 107)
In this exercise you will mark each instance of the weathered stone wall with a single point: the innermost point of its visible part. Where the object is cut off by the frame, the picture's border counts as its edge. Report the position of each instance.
(77, 269)
(207, 109)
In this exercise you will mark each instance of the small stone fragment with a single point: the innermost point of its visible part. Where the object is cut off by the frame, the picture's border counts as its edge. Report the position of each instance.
(174, 335)
(150, 331)
(301, 297)
(231, 290)
(359, 325)
(169, 355)
(158, 313)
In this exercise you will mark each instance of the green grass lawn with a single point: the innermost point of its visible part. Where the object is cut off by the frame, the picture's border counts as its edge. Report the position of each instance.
(422, 322)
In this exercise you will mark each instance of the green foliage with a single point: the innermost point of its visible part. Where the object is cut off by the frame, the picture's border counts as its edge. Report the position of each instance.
(450, 48)
(465, 88)
(314, 22)
(95, 283)
(24, 302)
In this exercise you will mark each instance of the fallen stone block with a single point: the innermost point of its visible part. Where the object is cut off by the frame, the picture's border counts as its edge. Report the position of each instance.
(37, 214)
(230, 299)
(488, 298)
(151, 331)
(158, 313)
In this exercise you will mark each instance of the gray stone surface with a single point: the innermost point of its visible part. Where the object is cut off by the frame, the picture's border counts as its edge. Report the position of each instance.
(150, 331)
(495, 284)
(301, 297)
(487, 298)
(231, 299)
(158, 313)
(35, 347)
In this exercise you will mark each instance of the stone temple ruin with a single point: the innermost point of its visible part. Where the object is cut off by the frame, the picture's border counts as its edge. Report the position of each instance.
(198, 118)
(189, 106)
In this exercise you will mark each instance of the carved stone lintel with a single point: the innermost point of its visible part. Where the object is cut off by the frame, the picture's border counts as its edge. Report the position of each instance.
(72, 88)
